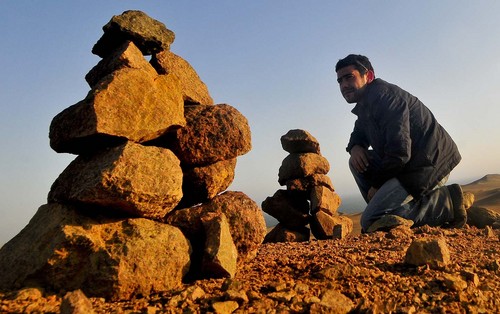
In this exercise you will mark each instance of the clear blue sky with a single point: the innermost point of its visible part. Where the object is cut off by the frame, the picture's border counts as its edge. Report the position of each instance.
(272, 60)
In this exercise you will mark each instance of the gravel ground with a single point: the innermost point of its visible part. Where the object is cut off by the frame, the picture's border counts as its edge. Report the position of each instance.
(360, 274)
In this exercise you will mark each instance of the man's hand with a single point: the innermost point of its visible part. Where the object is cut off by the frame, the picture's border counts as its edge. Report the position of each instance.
(371, 193)
(359, 158)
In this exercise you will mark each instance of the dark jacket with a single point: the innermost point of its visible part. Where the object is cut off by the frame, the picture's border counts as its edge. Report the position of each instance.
(412, 145)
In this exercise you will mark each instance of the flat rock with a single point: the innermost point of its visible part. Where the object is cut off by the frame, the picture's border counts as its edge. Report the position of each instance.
(193, 88)
(129, 104)
(290, 208)
(299, 141)
(453, 282)
(136, 180)
(148, 34)
(127, 55)
(400, 232)
(225, 307)
(220, 254)
(306, 184)
(343, 228)
(281, 233)
(481, 217)
(63, 250)
(76, 302)
(324, 199)
(212, 134)
(333, 301)
(29, 294)
(431, 251)
(200, 184)
(245, 218)
(300, 165)
(324, 226)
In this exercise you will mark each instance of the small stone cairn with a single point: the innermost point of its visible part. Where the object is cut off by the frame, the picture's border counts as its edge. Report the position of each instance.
(309, 199)
(144, 205)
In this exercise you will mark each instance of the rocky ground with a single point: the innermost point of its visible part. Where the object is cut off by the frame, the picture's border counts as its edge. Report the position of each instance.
(362, 274)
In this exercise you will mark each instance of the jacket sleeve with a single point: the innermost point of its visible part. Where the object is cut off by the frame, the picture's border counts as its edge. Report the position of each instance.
(358, 137)
(392, 116)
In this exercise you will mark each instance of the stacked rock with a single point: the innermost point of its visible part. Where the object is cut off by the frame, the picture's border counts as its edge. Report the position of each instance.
(309, 198)
(120, 219)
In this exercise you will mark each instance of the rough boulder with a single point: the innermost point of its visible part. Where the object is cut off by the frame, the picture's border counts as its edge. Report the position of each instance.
(142, 181)
(193, 89)
(212, 134)
(128, 104)
(244, 216)
(63, 249)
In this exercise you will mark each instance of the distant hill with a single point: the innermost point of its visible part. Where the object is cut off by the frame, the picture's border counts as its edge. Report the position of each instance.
(486, 191)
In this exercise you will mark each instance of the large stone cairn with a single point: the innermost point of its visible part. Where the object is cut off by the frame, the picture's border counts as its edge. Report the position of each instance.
(142, 207)
(309, 199)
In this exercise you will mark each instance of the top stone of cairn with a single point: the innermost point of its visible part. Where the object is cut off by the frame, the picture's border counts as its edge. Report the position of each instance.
(300, 141)
(148, 34)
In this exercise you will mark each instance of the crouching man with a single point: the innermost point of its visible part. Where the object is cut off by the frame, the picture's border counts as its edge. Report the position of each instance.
(401, 156)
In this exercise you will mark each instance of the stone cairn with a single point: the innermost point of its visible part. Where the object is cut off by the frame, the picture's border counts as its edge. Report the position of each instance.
(144, 205)
(309, 198)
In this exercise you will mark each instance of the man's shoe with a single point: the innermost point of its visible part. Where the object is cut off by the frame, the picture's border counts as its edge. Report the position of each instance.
(469, 199)
(388, 222)
(459, 212)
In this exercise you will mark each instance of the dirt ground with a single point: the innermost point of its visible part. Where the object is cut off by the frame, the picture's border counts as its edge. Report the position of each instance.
(360, 274)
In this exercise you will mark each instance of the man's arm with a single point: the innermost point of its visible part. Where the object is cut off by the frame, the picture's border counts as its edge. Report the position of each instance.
(393, 116)
(358, 137)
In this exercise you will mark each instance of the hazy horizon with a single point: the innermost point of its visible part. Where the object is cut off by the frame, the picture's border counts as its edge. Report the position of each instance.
(273, 61)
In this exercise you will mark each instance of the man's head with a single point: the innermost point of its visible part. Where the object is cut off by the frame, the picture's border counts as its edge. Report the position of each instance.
(354, 72)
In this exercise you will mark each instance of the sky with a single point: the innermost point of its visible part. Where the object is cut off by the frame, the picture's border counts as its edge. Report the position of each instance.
(272, 60)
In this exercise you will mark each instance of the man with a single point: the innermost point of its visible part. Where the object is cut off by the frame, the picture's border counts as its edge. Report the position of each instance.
(401, 156)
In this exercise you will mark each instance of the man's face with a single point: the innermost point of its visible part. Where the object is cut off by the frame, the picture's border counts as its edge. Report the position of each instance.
(352, 84)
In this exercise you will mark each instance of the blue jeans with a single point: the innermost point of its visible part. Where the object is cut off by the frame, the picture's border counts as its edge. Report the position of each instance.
(435, 208)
